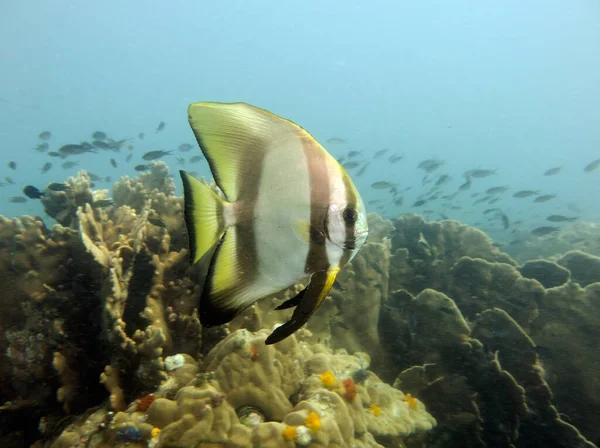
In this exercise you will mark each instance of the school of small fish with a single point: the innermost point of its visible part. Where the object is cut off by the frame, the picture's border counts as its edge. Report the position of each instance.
(440, 195)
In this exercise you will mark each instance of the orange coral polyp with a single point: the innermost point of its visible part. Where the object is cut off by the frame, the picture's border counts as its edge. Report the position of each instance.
(412, 401)
(144, 403)
(327, 379)
(313, 422)
(350, 390)
(289, 433)
(376, 410)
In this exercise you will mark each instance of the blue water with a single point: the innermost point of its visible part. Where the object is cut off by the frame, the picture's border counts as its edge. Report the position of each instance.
(506, 85)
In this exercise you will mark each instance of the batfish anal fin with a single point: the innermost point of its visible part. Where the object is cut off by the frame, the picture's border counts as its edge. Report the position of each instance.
(316, 291)
(228, 289)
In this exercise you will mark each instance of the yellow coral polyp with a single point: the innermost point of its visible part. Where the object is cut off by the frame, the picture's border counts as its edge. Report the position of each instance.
(313, 422)
(155, 432)
(327, 379)
(289, 433)
(412, 401)
(376, 410)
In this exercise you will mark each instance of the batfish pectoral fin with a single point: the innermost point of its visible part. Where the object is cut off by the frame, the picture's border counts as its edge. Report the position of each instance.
(314, 294)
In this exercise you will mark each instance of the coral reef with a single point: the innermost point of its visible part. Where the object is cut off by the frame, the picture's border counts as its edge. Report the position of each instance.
(100, 342)
(276, 398)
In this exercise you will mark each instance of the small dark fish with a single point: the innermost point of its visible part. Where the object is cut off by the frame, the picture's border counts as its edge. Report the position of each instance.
(544, 230)
(9, 180)
(505, 221)
(399, 201)
(42, 147)
(592, 166)
(57, 187)
(374, 201)
(116, 145)
(32, 192)
(129, 157)
(496, 190)
(157, 222)
(419, 203)
(478, 174)
(45, 135)
(99, 135)
(94, 177)
(101, 144)
(46, 167)
(142, 167)
(493, 201)
(490, 210)
(362, 170)
(71, 150)
(561, 218)
(525, 193)
(68, 165)
(160, 126)
(380, 153)
(196, 159)
(86, 145)
(180, 160)
(153, 155)
(336, 140)
(553, 171)
(442, 180)
(395, 158)
(466, 185)
(382, 185)
(185, 147)
(102, 203)
(12, 165)
(54, 154)
(113, 162)
(544, 198)
(17, 199)
(130, 147)
(430, 165)
(141, 136)
(352, 154)
(350, 165)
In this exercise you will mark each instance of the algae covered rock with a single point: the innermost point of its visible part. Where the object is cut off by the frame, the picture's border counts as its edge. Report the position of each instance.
(548, 273)
(584, 268)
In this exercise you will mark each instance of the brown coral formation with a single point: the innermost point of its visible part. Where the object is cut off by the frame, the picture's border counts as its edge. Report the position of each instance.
(275, 399)
(101, 311)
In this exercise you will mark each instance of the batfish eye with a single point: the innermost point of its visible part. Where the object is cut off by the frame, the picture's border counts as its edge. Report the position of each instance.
(350, 215)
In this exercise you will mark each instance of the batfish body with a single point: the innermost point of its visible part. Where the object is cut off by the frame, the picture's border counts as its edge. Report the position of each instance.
(290, 213)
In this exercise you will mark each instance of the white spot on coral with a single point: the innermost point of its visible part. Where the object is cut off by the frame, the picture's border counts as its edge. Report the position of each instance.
(303, 437)
(174, 362)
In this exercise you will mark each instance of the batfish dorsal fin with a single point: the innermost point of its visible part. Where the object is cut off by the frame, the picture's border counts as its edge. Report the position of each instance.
(234, 138)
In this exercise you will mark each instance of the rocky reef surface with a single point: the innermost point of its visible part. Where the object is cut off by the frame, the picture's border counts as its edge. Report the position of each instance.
(431, 337)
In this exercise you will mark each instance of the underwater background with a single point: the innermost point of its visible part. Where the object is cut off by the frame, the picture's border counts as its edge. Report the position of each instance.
(469, 318)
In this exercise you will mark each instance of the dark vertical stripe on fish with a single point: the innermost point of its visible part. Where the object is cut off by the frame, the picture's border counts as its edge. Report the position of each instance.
(351, 200)
(318, 176)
